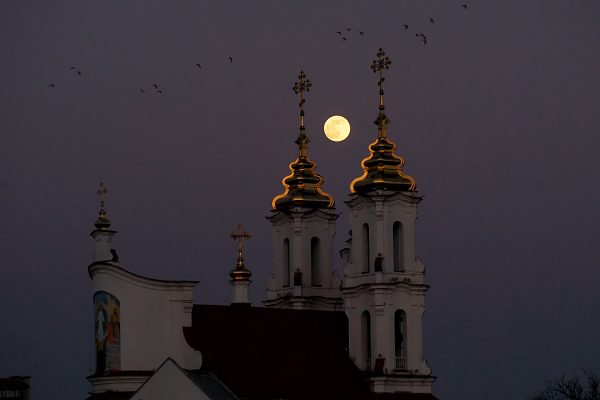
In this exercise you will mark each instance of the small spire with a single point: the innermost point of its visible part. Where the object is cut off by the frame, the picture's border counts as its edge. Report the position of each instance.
(240, 272)
(302, 185)
(381, 63)
(102, 222)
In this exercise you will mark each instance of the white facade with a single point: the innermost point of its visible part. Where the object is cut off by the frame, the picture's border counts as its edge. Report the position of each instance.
(303, 275)
(152, 316)
(384, 291)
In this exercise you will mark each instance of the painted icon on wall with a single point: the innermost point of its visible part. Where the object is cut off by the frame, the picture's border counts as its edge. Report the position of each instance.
(108, 332)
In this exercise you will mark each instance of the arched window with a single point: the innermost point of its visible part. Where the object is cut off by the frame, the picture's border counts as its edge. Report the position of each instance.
(365, 328)
(285, 273)
(315, 261)
(400, 338)
(398, 238)
(366, 256)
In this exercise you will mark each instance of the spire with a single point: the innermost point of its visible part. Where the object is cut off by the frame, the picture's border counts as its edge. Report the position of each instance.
(303, 185)
(240, 273)
(102, 222)
(382, 169)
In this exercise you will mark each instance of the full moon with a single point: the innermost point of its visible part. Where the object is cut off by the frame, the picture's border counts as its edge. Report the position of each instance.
(337, 128)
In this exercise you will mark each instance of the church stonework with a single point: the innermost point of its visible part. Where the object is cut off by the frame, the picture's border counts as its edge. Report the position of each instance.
(356, 334)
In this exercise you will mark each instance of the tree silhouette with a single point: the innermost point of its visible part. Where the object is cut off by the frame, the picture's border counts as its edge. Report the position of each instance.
(571, 388)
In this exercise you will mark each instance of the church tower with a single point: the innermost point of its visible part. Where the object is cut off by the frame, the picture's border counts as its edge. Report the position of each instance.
(384, 289)
(303, 225)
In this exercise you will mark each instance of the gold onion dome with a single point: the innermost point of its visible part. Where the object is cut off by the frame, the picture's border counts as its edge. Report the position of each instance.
(102, 222)
(303, 186)
(240, 272)
(382, 169)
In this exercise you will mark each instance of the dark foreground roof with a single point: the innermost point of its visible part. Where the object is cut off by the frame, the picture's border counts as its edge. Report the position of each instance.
(264, 353)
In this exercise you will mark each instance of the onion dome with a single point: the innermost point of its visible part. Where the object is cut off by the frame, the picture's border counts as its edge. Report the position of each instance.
(382, 169)
(303, 186)
(102, 222)
(240, 272)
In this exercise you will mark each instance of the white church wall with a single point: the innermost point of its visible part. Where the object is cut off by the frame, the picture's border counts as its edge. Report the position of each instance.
(145, 305)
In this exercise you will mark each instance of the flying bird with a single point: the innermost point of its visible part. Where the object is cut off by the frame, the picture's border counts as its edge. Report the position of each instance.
(344, 39)
(155, 86)
(72, 68)
(79, 73)
(348, 29)
(142, 90)
(51, 85)
(230, 59)
(423, 37)
(339, 33)
(361, 33)
(464, 6)
(158, 91)
(199, 66)
(405, 27)
(432, 20)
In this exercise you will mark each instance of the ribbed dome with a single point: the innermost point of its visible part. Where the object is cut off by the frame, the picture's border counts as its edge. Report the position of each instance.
(382, 169)
(303, 187)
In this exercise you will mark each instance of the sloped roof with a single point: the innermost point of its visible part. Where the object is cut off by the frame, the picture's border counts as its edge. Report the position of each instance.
(264, 353)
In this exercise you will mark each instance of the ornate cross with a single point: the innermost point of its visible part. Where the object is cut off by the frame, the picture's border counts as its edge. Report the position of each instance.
(102, 195)
(381, 63)
(301, 86)
(239, 236)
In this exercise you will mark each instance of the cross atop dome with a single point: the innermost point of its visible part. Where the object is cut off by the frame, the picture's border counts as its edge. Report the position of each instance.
(382, 169)
(302, 185)
(102, 222)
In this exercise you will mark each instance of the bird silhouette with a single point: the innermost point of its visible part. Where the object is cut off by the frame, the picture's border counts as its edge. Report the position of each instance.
(155, 86)
(348, 29)
(361, 33)
(405, 27)
(51, 85)
(72, 68)
(142, 90)
(79, 73)
(432, 20)
(230, 59)
(339, 33)
(464, 6)
(158, 91)
(199, 66)
(423, 37)
(344, 39)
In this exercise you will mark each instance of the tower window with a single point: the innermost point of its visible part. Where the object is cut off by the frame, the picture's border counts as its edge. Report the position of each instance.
(366, 256)
(400, 338)
(365, 322)
(315, 261)
(398, 238)
(285, 273)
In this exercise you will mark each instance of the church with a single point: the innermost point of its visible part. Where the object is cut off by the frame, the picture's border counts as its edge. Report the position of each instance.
(356, 334)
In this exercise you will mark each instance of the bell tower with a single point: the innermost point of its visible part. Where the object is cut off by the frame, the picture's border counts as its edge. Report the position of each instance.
(384, 289)
(303, 225)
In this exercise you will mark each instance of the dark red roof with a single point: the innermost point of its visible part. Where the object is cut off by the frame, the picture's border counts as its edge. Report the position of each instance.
(266, 353)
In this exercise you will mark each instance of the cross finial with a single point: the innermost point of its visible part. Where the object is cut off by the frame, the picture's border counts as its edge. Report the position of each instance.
(381, 63)
(102, 195)
(239, 236)
(301, 86)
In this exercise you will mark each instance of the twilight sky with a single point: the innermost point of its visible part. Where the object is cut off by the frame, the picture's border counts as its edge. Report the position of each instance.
(497, 119)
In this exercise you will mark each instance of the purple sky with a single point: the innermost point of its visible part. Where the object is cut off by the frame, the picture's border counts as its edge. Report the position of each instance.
(497, 118)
